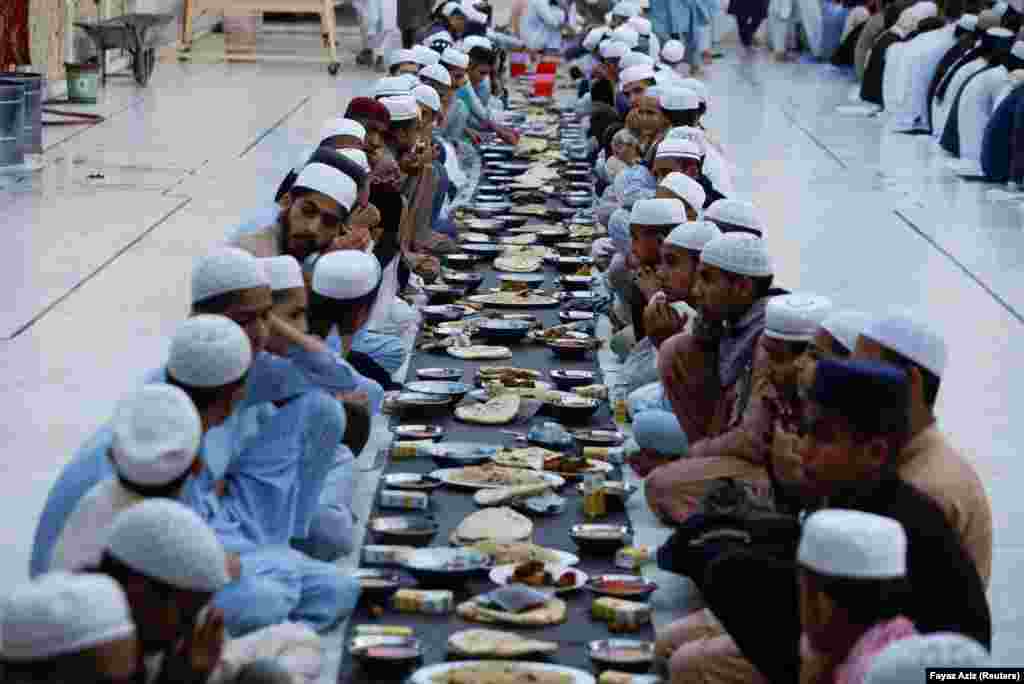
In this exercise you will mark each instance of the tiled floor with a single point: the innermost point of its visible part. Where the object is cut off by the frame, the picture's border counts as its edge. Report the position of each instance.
(103, 238)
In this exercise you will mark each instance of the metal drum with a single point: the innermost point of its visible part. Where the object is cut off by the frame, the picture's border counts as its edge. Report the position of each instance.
(12, 123)
(34, 94)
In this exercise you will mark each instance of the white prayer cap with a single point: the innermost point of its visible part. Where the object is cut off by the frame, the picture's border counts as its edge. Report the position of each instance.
(425, 56)
(340, 126)
(226, 269)
(401, 107)
(358, 156)
(697, 86)
(911, 338)
(853, 544)
(908, 19)
(927, 10)
(626, 35)
(61, 613)
(346, 274)
(735, 213)
(1000, 8)
(634, 58)
(641, 25)
(594, 37)
(657, 212)
(455, 58)
(846, 326)
(692, 235)
(673, 51)
(209, 351)
(686, 189)
(1018, 49)
(156, 435)
(1000, 32)
(667, 77)
(907, 659)
(163, 540)
(678, 100)
(670, 148)
(329, 181)
(612, 49)
(691, 134)
(436, 72)
(284, 272)
(626, 9)
(401, 56)
(451, 8)
(795, 317)
(428, 97)
(474, 15)
(739, 253)
(390, 86)
(636, 74)
(470, 42)
(968, 22)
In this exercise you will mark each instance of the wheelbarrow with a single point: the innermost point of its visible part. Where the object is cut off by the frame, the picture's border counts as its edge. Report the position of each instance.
(131, 32)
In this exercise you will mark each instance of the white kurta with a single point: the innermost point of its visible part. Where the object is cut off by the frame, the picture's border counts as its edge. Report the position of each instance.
(920, 59)
(940, 110)
(976, 107)
(894, 76)
(85, 534)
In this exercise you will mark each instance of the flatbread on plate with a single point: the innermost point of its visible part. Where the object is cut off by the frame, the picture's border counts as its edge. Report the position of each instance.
(493, 643)
(522, 239)
(518, 264)
(491, 475)
(500, 524)
(520, 552)
(479, 351)
(524, 457)
(551, 613)
(497, 411)
(513, 299)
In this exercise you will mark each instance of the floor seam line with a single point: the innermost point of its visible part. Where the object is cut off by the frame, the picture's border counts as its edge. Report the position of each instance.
(74, 288)
(277, 124)
(960, 265)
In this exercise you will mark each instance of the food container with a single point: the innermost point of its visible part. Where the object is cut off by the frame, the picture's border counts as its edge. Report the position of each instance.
(566, 380)
(404, 530)
(424, 601)
(377, 585)
(400, 498)
(571, 409)
(630, 587)
(633, 557)
(599, 539)
(446, 566)
(627, 655)
(594, 502)
(391, 659)
(505, 331)
(619, 613)
(385, 554)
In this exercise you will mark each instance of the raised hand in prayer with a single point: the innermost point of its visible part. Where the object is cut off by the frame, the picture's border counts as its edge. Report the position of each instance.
(648, 282)
(662, 321)
(358, 238)
(507, 135)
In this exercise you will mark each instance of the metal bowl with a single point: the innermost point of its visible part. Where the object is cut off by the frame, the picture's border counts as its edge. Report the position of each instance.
(552, 236)
(439, 313)
(439, 373)
(454, 391)
(572, 410)
(403, 530)
(623, 655)
(599, 539)
(566, 380)
(572, 264)
(446, 566)
(497, 329)
(444, 294)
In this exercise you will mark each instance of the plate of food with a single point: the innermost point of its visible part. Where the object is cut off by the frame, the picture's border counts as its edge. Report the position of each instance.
(598, 437)
(521, 239)
(407, 530)
(446, 565)
(511, 553)
(490, 643)
(631, 587)
(499, 410)
(413, 481)
(626, 655)
(517, 264)
(556, 578)
(532, 457)
(490, 476)
(439, 373)
(510, 376)
(571, 467)
(479, 352)
(514, 300)
(499, 524)
(499, 672)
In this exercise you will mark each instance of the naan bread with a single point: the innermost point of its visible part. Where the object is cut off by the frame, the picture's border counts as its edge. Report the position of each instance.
(517, 263)
(497, 411)
(533, 210)
(513, 553)
(524, 457)
(528, 145)
(500, 673)
(475, 237)
(490, 642)
(509, 372)
(551, 613)
(497, 524)
(479, 351)
(514, 299)
(523, 239)
(535, 251)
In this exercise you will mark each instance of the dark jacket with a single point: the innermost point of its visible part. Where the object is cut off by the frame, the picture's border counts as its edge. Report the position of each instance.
(1002, 148)
(947, 594)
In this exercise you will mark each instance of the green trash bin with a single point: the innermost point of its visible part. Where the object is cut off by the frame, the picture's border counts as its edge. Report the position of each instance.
(83, 82)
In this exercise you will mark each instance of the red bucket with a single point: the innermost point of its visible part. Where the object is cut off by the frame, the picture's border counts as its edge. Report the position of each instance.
(515, 69)
(547, 67)
(544, 85)
(519, 63)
